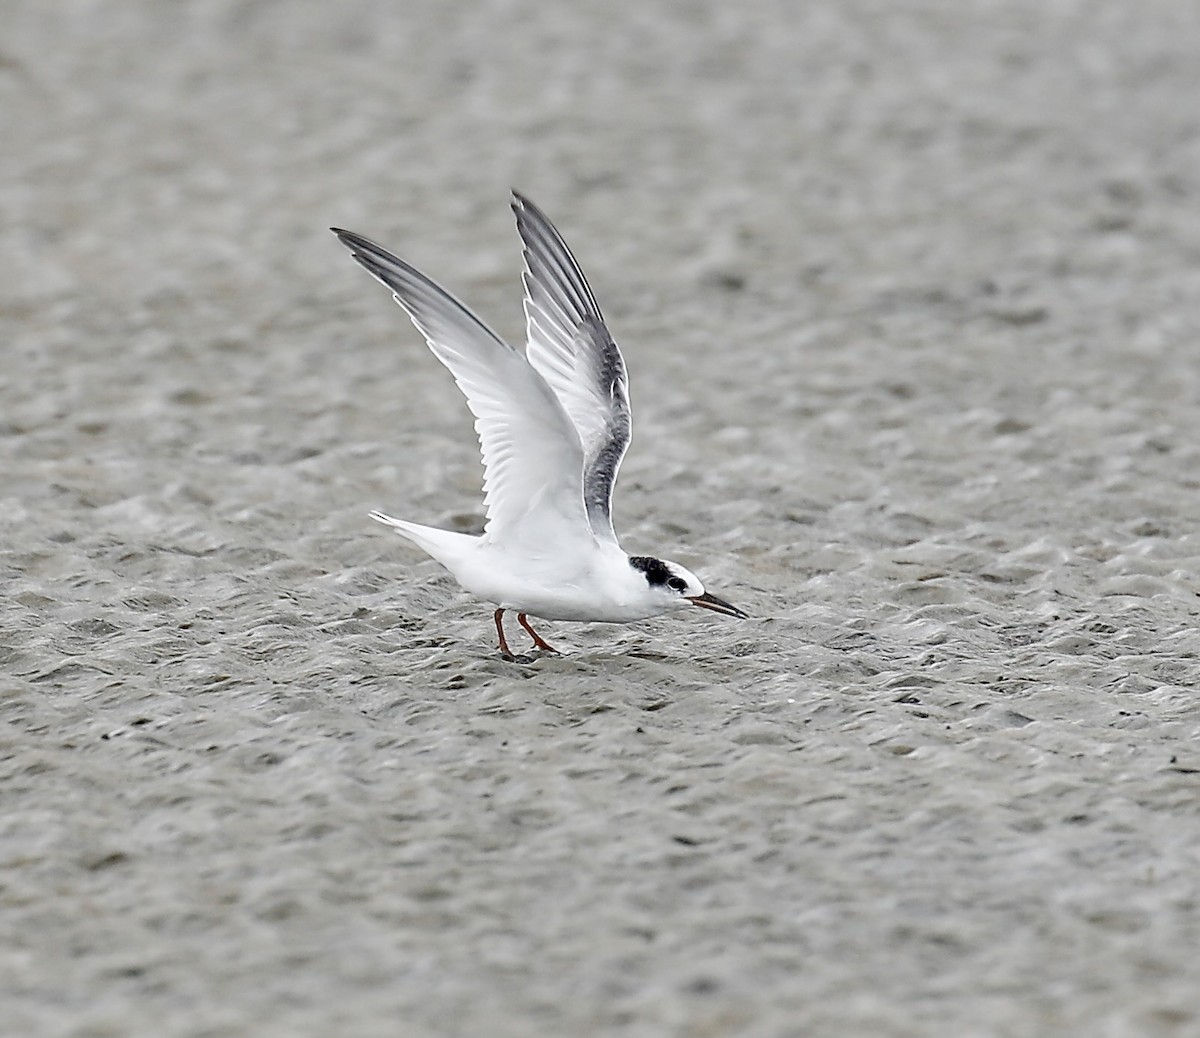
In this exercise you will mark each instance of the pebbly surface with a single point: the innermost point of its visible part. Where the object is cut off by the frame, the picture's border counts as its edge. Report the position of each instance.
(910, 296)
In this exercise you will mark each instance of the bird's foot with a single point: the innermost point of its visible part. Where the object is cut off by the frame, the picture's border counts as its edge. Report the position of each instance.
(508, 657)
(538, 641)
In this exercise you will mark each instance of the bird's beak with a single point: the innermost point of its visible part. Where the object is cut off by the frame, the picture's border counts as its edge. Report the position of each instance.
(718, 605)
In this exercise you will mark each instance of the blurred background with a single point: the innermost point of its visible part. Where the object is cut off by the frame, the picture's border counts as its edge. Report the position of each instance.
(909, 294)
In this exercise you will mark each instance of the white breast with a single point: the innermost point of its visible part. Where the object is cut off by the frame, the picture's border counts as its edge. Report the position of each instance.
(594, 582)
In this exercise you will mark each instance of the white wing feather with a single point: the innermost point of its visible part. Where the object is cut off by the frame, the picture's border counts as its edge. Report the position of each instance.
(532, 457)
(570, 346)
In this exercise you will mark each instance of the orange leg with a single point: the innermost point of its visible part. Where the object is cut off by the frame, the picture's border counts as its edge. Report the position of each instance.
(504, 649)
(538, 640)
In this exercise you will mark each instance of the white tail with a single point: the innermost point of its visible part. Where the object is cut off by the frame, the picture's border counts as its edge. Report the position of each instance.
(444, 545)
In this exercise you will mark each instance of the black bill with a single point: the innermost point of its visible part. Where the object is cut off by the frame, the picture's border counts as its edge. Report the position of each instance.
(718, 605)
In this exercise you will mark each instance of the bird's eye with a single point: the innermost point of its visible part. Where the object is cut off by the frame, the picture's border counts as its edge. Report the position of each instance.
(677, 584)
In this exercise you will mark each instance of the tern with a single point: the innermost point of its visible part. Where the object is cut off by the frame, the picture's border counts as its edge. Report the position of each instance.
(554, 424)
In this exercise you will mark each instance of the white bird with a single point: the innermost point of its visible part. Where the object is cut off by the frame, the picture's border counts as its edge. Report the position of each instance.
(553, 425)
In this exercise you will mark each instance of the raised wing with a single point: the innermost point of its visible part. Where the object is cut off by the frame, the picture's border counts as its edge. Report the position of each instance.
(532, 458)
(571, 348)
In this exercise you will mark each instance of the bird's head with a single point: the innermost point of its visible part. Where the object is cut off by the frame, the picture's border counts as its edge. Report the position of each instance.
(673, 587)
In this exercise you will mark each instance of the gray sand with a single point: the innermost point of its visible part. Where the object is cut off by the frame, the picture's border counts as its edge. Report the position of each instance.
(910, 295)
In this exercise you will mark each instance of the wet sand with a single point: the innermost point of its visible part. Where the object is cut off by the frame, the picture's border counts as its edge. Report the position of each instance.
(910, 297)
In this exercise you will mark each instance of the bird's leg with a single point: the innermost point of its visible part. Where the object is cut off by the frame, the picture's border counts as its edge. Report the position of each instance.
(538, 640)
(505, 652)
(504, 649)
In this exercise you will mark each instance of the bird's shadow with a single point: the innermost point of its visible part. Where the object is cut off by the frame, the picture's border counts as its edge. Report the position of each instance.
(586, 658)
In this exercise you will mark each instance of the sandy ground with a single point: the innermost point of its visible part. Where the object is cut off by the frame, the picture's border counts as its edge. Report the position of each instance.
(910, 295)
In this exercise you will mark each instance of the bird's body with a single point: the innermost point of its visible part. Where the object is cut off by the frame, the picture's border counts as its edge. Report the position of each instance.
(554, 424)
(594, 583)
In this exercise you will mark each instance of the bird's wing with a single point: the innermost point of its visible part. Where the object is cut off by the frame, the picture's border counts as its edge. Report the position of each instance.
(571, 348)
(532, 457)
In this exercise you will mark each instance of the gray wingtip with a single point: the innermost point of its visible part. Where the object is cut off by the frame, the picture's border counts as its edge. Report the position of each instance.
(521, 204)
(354, 241)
